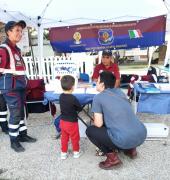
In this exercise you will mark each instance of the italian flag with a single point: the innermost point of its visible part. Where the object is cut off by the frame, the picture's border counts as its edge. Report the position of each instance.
(135, 33)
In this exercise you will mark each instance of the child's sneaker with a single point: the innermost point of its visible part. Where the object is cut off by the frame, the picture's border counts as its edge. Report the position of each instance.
(64, 155)
(77, 154)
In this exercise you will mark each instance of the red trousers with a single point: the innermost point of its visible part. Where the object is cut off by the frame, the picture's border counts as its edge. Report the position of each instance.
(69, 130)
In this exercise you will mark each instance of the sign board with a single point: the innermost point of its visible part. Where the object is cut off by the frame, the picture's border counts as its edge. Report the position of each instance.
(117, 35)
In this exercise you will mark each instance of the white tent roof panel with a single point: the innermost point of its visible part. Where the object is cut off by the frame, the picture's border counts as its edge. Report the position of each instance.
(65, 12)
(55, 13)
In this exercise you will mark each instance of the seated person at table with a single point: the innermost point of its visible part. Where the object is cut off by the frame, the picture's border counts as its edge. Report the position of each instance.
(115, 124)
(69, 105)
(107, 65)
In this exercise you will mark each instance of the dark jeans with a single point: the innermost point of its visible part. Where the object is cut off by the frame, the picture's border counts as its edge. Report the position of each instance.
(100, 138)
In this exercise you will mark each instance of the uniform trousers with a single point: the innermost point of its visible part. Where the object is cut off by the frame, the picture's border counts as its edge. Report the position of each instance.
(15, 100)
(3, 113)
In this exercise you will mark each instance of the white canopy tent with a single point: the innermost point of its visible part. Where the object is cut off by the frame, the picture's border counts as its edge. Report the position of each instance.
(43, 14)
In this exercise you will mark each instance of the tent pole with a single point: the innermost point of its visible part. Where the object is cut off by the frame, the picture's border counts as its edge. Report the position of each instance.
(44, 10)
(167, 55)
(149, 59)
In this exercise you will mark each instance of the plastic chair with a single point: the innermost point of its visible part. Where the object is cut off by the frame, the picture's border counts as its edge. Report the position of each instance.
(35, 96)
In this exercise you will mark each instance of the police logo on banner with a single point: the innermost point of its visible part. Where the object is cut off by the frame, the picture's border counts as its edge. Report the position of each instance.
(105, 36)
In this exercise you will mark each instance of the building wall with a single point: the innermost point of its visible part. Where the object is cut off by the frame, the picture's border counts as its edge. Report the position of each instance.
(162, 52)
(2, 33)
(48, 51)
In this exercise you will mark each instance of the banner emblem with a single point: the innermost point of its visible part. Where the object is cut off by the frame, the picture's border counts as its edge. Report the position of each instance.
(77, 38)
(105, 36)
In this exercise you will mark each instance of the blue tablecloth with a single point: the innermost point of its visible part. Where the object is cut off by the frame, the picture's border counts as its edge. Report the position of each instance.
(152, 100)
(83, 98)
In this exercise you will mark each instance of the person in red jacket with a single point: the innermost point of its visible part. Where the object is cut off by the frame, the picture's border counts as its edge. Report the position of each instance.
(13, 84)
(107, 65)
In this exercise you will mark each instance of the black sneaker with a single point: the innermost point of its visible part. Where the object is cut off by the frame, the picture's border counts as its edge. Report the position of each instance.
(26, 138)
(4, 127)
(5, 131)
(16, 146)
(2, 171)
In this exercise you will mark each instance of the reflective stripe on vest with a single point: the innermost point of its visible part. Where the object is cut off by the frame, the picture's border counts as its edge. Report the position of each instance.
(12, 69)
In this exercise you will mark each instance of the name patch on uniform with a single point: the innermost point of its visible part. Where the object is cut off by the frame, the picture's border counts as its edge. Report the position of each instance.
(18, 60)
(17, 57)
(100, 71)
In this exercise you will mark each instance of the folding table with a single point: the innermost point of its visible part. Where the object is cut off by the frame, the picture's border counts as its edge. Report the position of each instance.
(84, 95)
(154, 98)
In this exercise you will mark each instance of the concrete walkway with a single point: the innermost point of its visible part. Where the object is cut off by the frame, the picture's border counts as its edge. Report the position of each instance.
(41, 160)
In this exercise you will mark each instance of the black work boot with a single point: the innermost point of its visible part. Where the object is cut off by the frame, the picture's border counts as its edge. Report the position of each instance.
(4, 127)
(1, 171)
(16, 146)
(26, 138)
(5, 131)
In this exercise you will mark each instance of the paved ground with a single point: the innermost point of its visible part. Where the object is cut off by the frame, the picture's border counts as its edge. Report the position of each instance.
(41, 160)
